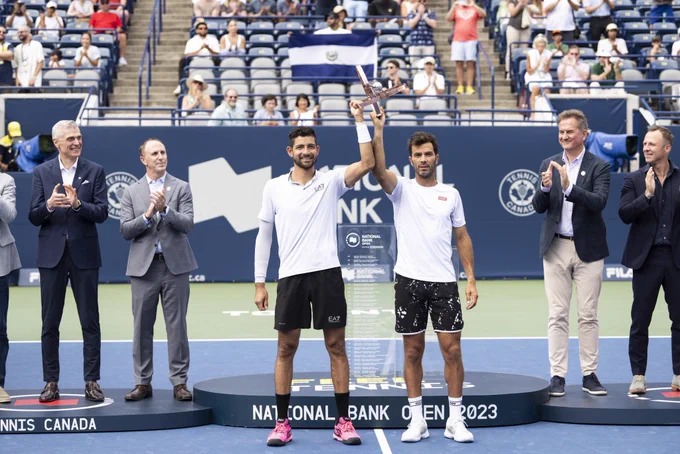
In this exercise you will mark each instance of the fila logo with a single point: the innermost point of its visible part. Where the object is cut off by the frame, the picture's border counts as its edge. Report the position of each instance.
(334, 319)
(441, 197)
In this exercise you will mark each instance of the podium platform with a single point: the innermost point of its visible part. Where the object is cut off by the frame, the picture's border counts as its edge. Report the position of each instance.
(73, 413)
(491, 399)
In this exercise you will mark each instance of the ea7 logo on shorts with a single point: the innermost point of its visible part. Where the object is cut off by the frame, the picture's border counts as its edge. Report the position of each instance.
(334, 319)
(116, 183)
(516, 191)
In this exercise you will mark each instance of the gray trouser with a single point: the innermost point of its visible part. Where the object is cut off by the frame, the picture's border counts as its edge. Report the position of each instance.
(174, 294)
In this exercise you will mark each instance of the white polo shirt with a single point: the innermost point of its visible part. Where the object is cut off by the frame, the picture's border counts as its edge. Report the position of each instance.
(423, 218)
(561, 17)
(306, 219)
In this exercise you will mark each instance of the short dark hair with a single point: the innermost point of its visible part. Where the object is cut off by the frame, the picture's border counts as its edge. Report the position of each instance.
(301, 131)
(86, 33)
(150, 139)
(266, 98)
(579, 116)
(394, 62)
(665, 133)
(302, 96)
(421, 138)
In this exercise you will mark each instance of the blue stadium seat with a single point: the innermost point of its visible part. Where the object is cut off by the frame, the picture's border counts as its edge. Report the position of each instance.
(282, 28)
(388, 28)
(69, 52)
(390, 41)
(629, 15)
(261, 51)
(261, 41)
(36, 4)
(70, 40)
(632, 28)
(657, 66)
(103, 39)
(260, 27)
(587, 52)
(391, 52)
(282, 40)
(640, 41)
(664, 28)
(63, 4)
(669, 39)
(622, 5)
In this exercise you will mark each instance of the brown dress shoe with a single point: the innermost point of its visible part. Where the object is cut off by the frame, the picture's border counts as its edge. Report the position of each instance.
(182, 393)
(140, 392)
(93, 392)
(50, 392)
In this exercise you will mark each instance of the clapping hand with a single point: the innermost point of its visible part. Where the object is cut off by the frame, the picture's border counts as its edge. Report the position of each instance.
(57, 200)
(650, 183)
(546, 178)
(158, 199)
(71, 196)
(564, 177)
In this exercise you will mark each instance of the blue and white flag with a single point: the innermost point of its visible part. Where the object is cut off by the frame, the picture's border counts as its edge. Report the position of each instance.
(315, 57)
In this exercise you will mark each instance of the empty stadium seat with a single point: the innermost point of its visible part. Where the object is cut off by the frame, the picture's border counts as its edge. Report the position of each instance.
(241, 88)
(70, 40)
(664, 28)
(232, 62)
(328, 106)
(403, 120)
(267, 89)
(434, 104)
(436, 120)
(261, 41)
(56, 78)
(395, 105)
(86, 78)
(336, 120)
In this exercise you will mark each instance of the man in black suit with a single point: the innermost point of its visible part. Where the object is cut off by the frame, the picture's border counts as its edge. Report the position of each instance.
(68, 200)
(649, 199)
(574, 190)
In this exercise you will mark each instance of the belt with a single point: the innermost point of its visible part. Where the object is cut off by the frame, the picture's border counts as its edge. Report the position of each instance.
(159, 256)
(564, 237)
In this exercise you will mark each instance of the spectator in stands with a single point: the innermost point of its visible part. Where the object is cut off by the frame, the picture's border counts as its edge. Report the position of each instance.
(464, 14)
(206, 8)
(660, 9)
(230, 112)
(656, 51)
(557, 47)
(81, 10)
(612, 44)
(287, 8)
(385, 8)
(342, 14)
(519, 29)
(422, 20)
(324, 7)
(196, 99)
(19, 17)
(605, 73)
(111, 23)
(560, 16)
(600, 12)
(393, 79)
(302, 114)
(267, 114)
(262, 8)
(233, 8)
(56, 59)
(334, 26)
(51, 22)
(87, 55)
(573, 72)
(675, 50)
(200, 44)
(538, 70)
(28, 59)
(428, 83)
(232, 43)
(356, 8)
(118, 7)
(407, 6)
(6, 58)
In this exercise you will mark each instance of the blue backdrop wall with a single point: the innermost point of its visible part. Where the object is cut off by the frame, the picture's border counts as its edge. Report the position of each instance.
(493, 168)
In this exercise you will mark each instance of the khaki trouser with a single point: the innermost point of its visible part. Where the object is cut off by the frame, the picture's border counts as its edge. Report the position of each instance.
(561, 265)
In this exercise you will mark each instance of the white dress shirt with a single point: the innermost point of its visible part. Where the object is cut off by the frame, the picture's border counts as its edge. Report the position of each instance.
(565, 226)
(67, 175)
(157, 186)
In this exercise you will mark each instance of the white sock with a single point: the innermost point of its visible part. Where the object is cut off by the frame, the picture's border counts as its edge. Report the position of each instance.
(416, 405)
(455, 404)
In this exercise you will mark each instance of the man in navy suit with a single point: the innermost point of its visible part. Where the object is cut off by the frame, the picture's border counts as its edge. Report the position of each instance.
(68, 200)
(649, 199)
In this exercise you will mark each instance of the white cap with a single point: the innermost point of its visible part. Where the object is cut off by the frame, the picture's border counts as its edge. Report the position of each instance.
(429, 60)
(51, 4)
(604, 53)
(612, 26)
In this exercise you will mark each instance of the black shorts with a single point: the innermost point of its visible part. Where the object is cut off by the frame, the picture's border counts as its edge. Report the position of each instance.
(321, 292)
(414, 299)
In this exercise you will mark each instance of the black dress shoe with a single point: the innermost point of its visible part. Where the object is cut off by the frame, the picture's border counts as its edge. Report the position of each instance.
(140, 392)
(182, 393)
(50, 392)
(93, 392)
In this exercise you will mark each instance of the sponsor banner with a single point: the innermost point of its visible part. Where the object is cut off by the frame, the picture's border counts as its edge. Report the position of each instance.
(617, 273)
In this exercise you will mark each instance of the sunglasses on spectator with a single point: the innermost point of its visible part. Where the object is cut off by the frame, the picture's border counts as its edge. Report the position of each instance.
(232, 97)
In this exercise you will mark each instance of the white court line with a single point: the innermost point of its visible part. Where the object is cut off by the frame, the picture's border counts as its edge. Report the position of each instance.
(361, 339)
(382, 441)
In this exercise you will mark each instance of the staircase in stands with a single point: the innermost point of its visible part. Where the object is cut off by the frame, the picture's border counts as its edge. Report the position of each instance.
(176, 25)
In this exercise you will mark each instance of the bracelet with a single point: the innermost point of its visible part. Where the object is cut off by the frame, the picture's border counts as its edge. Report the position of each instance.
(363, 135)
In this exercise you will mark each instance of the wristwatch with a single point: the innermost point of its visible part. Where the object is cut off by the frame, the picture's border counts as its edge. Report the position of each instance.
(78, 204)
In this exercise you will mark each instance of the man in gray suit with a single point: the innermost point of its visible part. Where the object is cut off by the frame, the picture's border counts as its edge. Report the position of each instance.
(157, 213)
(9, 261)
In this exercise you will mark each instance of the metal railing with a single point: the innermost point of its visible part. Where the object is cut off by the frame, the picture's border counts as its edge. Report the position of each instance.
(153, 38)
(493, 75)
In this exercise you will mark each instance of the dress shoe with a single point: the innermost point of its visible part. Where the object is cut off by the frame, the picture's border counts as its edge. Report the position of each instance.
(140, 392)
(50, 392)
(93, 392)
(4, 397)
(182, 393)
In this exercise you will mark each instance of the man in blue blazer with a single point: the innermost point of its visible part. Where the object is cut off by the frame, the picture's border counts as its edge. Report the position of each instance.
(68, 200)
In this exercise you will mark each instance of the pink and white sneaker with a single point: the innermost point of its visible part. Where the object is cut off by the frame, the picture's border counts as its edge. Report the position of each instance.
(344, 432)
(281, 435)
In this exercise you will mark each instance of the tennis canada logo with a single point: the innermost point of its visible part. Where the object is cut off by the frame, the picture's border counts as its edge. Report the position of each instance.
(664, 395)
(116, 183)
(28, 414)
(516, 191)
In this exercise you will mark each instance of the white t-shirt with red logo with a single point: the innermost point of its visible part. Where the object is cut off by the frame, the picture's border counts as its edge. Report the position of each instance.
(306, 220)
(424, 218)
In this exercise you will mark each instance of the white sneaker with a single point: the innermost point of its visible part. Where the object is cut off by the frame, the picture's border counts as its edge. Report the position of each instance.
(122, 61)
(177, 91)
(416, 431)
(457, 429)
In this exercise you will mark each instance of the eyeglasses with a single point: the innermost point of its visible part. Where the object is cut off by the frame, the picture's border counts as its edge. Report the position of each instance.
(232, 97)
